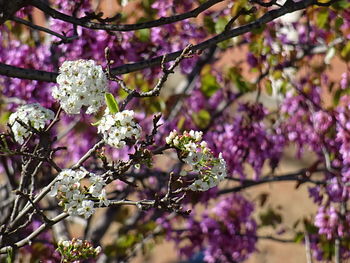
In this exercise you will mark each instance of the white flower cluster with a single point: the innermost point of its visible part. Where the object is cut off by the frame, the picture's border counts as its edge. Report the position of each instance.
(26, 116)
(117, 127)
(210, 170)
(80, 83)
(73, 198)
(76, 250)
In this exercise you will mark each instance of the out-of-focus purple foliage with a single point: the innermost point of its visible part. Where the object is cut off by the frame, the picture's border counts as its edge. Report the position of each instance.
(224, 233)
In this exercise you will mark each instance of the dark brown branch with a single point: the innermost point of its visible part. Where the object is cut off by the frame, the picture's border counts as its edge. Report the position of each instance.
(266, 18)
(12, 71)
(23, 73)
(85, 21)
(64, 39)
(37, 208)
(186, 52)
(9, 7)
(300, 177)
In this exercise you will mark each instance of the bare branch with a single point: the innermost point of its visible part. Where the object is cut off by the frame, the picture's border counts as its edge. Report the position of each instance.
(23, 73)
(85, 21)
(88, 154)
(12, 71)
(301, 176)
(186, 52)
(34, 234)
(64, 39)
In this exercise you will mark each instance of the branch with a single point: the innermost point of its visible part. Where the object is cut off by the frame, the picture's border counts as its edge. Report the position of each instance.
(85, 21)
(266, 18)
(12, 71)
(301, 176)
(23, 73)
(64, 39)
(186, 53)
(88, 154)
(34, 234)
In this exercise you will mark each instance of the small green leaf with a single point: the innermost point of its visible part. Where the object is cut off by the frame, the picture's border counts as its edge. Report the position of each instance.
(201, 118)
(209, 24)
(95, 123)
(235, 76)
(181, 122)
(345, 53)
(299, 237)
(9, 258)
(209, 85)
(143, 35)
(270, 218)
(339, 22)
(220, 25)
(268, 87)
(341, 5)
(112, 104)
(4, 117)
(322, 18)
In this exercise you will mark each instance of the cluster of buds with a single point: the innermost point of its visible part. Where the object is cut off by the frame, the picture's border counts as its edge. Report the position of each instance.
(118, 127)
(75, 199)
(27, 117)
(199, 157)
(81, 83)
(76, 250)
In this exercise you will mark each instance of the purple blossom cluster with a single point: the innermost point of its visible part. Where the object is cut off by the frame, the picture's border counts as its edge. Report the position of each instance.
(16, 53)
(224, 233)
(247, 140)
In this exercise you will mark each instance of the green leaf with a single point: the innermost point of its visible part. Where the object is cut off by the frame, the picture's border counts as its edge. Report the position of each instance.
(209, 24)
(299, 237)
(270, 218)
(201, 118)
(309, 227)
(209, 85)
(143, 35)
(268, 87)
(235, 76)
(112, 104)
(4, 117)
(220, 25)
(181, 122)
(322, 18)
(95, 123)
(341, 5)
(339, 21)
(345, 53)
(9, 258)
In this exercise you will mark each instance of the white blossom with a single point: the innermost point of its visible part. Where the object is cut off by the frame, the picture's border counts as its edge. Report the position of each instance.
(103, 198)
(210, 171)
(81, 83)
(118, 127)
(86, 209)
(27, 117)
(75, 199)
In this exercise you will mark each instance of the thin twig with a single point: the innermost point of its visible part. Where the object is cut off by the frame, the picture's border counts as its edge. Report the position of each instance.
(12, 71)
(85, 21)
(34, 234)
(299, 176)
(88, 154)
(63, 38)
